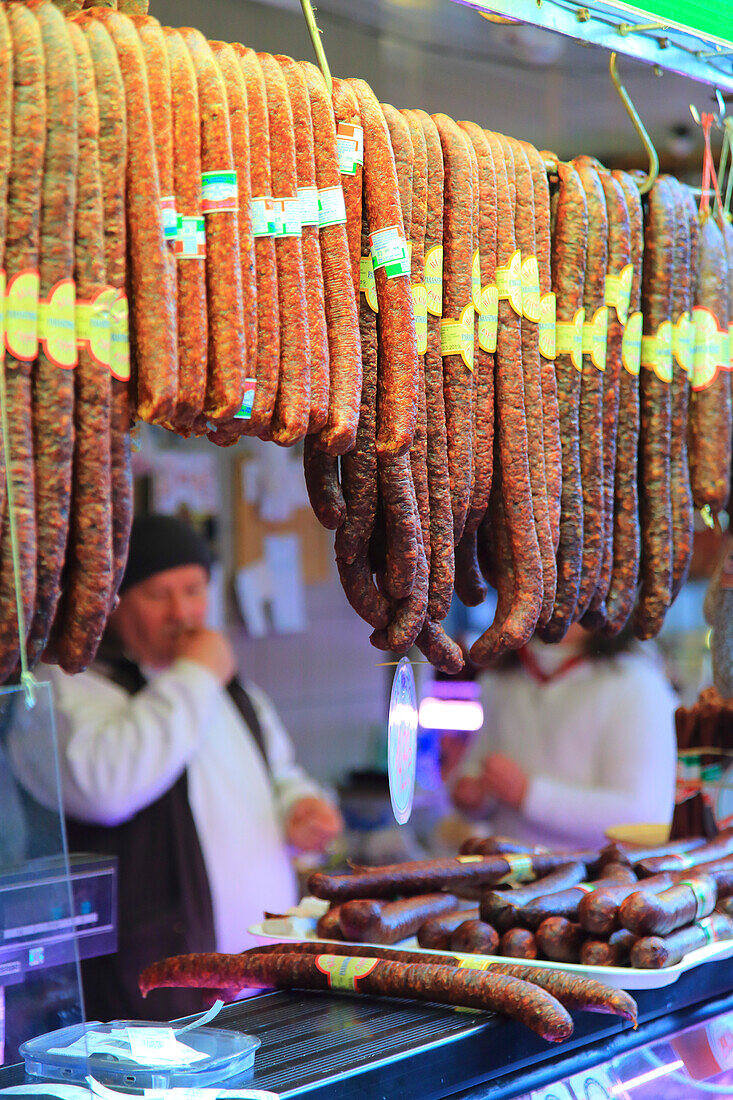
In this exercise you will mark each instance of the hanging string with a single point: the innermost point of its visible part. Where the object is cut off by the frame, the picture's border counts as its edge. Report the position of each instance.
(27, 679)
(708, 167)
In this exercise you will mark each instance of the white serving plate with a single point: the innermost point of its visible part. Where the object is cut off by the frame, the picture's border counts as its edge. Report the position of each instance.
(300, 925)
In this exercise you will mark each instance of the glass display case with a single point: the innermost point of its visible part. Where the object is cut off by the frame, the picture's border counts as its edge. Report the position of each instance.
(696, 1061)
(51, 913)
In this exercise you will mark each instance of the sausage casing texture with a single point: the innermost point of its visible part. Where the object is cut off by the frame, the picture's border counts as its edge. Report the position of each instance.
(471, 589)
(424, 876)
(475, 936)
(398, 380)
(322, 484)
(550, 410)
(191, 313)
(28, 136)
(500, 907)
(442, 561)
(52, 386)
(340, 302)
(618, 265)
(328, 925)
(626, 534)
(6, 117)
(457, 305)
(598, 912)
(524, 220)
(574, 992)
(655, 504)
(359, 466)
(560, 939)
(85, 602)
(436, 932)
(292, 404)
(153, 329)
(112, 163)
(590, 419)
(569, 249)
(311, 246)
(529, 1004)
(611, 952)
(520, 586)
(654, 952)
(657, 914)
(565, 903)
(709, 425)
(370, 921)
(346, 112)
(519, 943)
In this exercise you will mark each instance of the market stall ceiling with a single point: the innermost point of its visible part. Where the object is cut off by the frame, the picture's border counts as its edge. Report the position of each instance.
(441, 55)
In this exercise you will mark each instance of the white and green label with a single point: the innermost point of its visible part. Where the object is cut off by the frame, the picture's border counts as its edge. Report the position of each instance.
(331, 206)
(219, 192)
(390, 251)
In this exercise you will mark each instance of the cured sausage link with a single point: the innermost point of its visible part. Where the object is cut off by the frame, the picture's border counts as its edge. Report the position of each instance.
(52, 388)
(569, 246)
(582, 994)
(112, 161)
(626, 535)
(369, 921)
(398, 382)
(84, 607)
(528, 1004)
(21, 254)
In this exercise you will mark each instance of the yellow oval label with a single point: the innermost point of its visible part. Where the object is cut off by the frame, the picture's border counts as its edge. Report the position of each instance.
(520, 869)
(631, 344)
(548, 306)
(476, 281)
(531, 289)
(472, 962)
(618, 291)
(367, 283)
(730, 346)
(706, 348)
(682, 341)
(57, 325)
(656, 352)
(509, 282)
(457, 337)
(119, 358)
(93, 323)
(344, 972)
(21, 316)
(3, 286)
(595, 338)
(434, 279)
(420, 309)
(569, 338)
(488, 321)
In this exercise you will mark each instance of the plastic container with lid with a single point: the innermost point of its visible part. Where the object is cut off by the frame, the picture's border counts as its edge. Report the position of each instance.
(135, 1054)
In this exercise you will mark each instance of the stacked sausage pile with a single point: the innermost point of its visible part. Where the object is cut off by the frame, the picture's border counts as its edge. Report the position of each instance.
(601, 908)
(65, 397)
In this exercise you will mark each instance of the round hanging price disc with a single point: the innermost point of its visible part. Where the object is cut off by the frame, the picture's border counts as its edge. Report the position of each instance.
(402, 741)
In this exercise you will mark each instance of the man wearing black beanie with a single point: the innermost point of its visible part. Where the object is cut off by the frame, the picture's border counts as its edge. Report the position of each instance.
(168, 762)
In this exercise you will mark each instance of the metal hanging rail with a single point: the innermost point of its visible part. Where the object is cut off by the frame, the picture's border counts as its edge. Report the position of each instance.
(700, 47)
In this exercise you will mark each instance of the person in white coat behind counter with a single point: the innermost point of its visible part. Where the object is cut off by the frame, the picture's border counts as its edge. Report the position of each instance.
(574, 740)
(170, 764)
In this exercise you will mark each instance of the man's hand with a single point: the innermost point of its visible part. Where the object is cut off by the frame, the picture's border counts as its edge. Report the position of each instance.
(503, 778)
(312, 824)
(210, 649)
(468, 794)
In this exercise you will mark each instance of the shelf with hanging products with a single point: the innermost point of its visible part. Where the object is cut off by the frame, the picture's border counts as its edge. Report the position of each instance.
(692, 39)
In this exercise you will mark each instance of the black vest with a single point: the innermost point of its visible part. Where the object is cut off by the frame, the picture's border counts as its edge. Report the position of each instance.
(164, 900)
